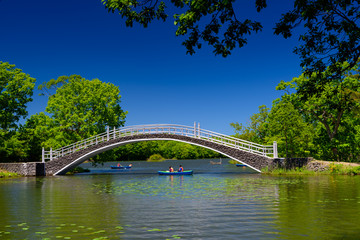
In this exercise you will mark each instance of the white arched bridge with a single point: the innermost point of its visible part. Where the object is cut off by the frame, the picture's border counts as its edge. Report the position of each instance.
(254, 155)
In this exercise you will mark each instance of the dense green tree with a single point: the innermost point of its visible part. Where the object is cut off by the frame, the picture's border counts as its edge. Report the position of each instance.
(328, 104)
(16, 89)
(40, 131)
(347, 140)
(287, 127)
(283, 124)
(167, 149)
(12, 147)
(77, 109)
(81, 108)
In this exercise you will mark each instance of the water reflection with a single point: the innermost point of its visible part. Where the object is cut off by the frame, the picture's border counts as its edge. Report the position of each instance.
(324, 205)
(214, 204)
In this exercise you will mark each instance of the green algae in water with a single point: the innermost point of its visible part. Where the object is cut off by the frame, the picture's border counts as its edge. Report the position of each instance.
(256, 188)
(174, 237)
(158, 230)
(97, 232)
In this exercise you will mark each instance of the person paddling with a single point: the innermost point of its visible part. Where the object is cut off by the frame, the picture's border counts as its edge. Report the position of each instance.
(181, 169)
(171, 169)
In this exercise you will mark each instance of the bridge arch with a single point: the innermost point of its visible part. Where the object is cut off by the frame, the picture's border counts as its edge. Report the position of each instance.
(253, 155)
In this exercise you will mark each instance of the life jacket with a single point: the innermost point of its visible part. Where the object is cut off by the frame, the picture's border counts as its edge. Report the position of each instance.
(181, 169)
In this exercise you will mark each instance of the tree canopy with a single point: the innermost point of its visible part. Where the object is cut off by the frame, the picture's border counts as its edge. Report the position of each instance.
(323, 123)
(79, 108)
(332, 33)
(214, 22)
(331, 30)
(329, 104)
(287, 127)
(16, 90)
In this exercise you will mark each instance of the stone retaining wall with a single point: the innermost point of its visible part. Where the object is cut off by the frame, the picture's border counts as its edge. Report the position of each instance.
(25, 169)
(290, 163)
(318, 166)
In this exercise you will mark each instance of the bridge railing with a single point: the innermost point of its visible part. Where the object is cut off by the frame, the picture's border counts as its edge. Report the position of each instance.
(195, 132)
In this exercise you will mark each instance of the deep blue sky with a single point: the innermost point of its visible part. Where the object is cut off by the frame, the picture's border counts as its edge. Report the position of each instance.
(159, 83)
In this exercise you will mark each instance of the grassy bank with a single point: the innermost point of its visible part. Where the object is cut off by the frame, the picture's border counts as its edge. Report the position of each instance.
(329, 168)
(5, 174)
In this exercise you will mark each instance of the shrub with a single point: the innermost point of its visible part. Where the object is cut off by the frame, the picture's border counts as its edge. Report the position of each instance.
(156, 158)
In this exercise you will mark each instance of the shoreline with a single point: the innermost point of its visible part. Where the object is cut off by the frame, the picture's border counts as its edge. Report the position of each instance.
(6, 174)
(318, 167)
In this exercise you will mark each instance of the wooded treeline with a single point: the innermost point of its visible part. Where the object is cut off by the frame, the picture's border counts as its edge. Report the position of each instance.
(167, 149)
(312, 118)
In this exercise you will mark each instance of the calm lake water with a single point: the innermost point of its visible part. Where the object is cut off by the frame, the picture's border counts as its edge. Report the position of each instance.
(217, 202)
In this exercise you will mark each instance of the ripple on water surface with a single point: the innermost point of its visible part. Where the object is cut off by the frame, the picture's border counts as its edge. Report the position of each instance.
(202, 206)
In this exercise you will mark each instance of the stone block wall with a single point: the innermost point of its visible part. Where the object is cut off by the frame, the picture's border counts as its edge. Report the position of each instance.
(290, 163)
(25, 169)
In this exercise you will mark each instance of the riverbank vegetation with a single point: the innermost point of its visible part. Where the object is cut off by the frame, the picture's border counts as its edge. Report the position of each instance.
(317, 116)
(329, 168)
(6, 174)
